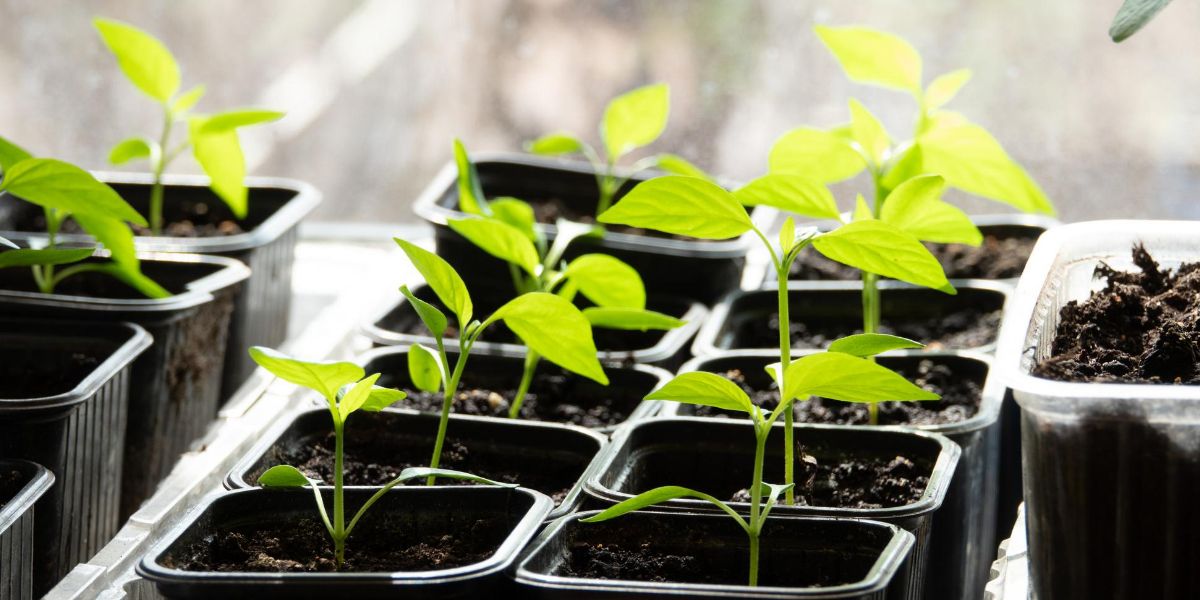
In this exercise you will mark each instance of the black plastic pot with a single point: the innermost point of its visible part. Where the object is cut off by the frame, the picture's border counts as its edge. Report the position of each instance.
(267, 245)
(514, 451)
(22, 483)
(415, 508)
(502, 371)
(964, 536)
(716, 456)
(175, 385)
(73, 423)
(667, 349)
(834, 309)
(876, 554)
(695, 269)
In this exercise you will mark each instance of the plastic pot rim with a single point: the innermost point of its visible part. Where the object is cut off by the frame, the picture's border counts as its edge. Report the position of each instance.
(39, 483)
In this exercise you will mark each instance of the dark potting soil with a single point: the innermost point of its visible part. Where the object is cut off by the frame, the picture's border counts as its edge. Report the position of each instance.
(39, 372)
(195, 222)
(1000, 256)
(859, 482)
(969, 327)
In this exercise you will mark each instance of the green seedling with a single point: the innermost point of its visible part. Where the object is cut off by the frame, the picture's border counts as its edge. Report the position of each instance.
(213, 138)
(1132, 16)
(347, 390)
(549, 326)
(65, 191)
(837, 374)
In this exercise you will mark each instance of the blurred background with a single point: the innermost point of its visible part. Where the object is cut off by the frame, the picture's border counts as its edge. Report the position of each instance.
(375, 90)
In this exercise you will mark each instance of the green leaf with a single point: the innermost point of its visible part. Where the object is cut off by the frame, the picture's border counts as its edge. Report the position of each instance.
(840, 376)
(187, 100)
(915, 206)
(430, 315)
(356, 397)
(518, 214)
(790, 192)
(673, 163)
(658, 496)
(425, 472)
(872, 56)
(283, 476)
(862, 212)
(230, 120)
(130, 149)
(325, 378)
(1132, 16)
(11, 154)
(500, 240)
(25, 257)
(55, 184)
(972, 160)
(705, 389)
(442, 278)
(424, 368)
(945, 87)
(219, 153)
(817, 154)
(470, 191)
(683, 206)
(144, 60)
(555, 144)
(635, 119)
(870, 344)
(607, 281)
(787, 235)
(879, 248)
(555, 329)
(114, 235)
(771, 493)
(630, 319)
(869, 132)
(381, 398)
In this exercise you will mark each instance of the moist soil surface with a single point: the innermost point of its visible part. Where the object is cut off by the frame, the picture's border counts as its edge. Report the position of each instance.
(197, 222)
(859, 482)
(969, 327)
(1000, 256)
(38, 372)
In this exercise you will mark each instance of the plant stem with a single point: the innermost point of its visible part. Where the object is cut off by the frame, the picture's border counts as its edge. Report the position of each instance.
(761, 432)
(870, 292)
(160, 164)
(339, 508)
(43, 275)
(531, 362)
(607, 190)
(450, 389)
(785, 354)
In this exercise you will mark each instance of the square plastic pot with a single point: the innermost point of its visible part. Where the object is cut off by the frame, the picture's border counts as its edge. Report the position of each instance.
(417, 506)
(18, 500)
(876, 553)
(1112, 470)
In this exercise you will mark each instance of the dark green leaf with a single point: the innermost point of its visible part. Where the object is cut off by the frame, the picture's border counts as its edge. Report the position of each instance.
(1132, 16)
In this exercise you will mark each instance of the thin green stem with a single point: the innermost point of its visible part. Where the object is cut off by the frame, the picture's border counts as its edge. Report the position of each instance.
(450, 388)
(607, 188)
(761, 432)
(339, 501)
(531, 363)
(785, 354)
(870, 291)
(160, 165)
(43, 275)
(753, 558)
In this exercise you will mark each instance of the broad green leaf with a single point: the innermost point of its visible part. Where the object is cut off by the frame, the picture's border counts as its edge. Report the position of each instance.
(114, 235)
(130, 149)
(242, 117)
(904, 167)
(283, 476)
(356, 396)
(916, 206)
(424, 368)
(635, 119)
(499, 239)
(607, 281)
(517, 213)
(187, 100)
(11, 154)
(381, 398)
(430, 315)
(791, 193)
(673, 163)
(872, 56)
(706, 389)
(972, 160)
(945, 87)
(424, 472)
(470, 191)
(442, 278)
(820, 155)
(26, 257)
(219, 153)
(630, 319)
(869, 132)
(787, 235)
(870, 344)
(555, 144)
(862, 211)
(144, 60)
(683, 206)
(55, 184)
(325, 378)
(879, 248)
(840, 376)
(555, 329)
(1132, 16)
(658, 496)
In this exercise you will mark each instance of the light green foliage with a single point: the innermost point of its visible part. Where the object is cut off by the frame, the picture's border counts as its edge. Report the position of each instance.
(705, 389)
(874, 57)
(1132, 16)
(325, 378)
(819, 155)
(442, 278)
(430, 315)
(500, 240)
(144, 60)
(876, 247)
(424, 368)
(470, 192)
(848, 378)
(57, 256)
(607, 281)
(130, 149)
(11, 154)
(635, 119)
(678, 165)
(915, 206)
(630, 319)
(869, 344)
(970, 159)
(945, 87)
(869, 133)
(555, 329)
(683, 206)
(554, 144)
(791, 193)
(54, 184)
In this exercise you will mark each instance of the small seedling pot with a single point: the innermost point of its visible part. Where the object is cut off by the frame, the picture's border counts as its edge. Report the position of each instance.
(550, 458)
(702, 270)
(501, 371)
(667, 349)
(964, 537)
(175, 385)
(515, 513)
(22, 483)
(266, 244)
(832, 309)
(716, 456)
(64, 402)
(1111, 470)
(799, 557)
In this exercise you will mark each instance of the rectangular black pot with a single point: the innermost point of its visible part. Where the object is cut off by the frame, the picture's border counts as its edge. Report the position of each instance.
(519, 510)
(550, 458)
(175, 385)
(876, 553)
(963, 541)
(22, 483)
(73, 423)
(267, 245)
(701, 270)
(502, 371)
(716, 456)
(666, 349)
(832, 309)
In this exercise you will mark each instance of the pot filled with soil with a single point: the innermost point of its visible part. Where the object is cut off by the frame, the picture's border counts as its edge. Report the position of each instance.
(22, 483)
(416, 542)
(1100, 352)
(64, 401)
(665, 555)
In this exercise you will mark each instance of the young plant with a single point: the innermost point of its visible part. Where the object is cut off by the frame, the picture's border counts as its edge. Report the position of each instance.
(66, 191)
(842, 373)
(550, 326)
(213, 139)
(346, 391)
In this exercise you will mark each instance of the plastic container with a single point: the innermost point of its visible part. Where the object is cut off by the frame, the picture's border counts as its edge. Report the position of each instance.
(558, 454)
(1112, 470)
(267, 246)
(420, 506)
(75, 428)
(18, 500)
(787, 543)
(175, 384)
(716, 456)
(702, 270)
